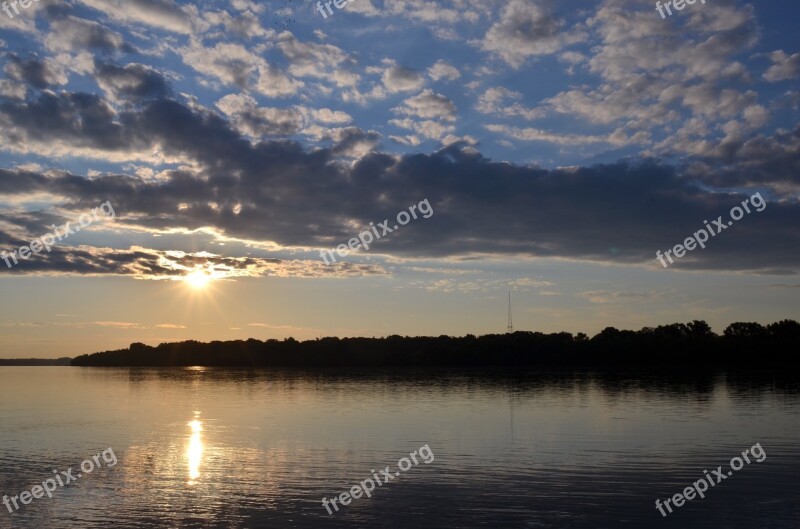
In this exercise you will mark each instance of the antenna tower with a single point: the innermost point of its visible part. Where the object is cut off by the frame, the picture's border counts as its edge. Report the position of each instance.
(510, 325)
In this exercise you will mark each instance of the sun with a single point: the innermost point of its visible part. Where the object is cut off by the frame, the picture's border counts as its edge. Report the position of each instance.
(197, 279)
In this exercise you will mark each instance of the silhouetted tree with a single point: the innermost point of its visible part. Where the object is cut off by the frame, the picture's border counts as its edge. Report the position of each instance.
(699, 328)
(785, 329)
(745, 330)
(693, 344)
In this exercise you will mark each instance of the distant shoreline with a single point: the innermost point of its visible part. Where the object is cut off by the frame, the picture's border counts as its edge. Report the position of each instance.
(744, 345)
(21, 362)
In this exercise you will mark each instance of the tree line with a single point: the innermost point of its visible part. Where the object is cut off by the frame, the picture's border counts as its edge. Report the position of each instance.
(742, 344)
(64, 361)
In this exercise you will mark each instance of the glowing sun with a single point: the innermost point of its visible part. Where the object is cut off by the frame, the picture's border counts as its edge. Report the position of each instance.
(197, 279)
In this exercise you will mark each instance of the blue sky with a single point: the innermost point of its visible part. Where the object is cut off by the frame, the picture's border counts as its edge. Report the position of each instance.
(560, 146)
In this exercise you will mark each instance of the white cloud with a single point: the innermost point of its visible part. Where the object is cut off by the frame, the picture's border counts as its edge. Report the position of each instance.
(165, 14)
(493, 101)
(400, 79)
(322, 61)
(784, 66)
(428, 105)
(427, 129)
(257, 121)
(235, 65)
(618, 137)
(442, 70)
(527, 29)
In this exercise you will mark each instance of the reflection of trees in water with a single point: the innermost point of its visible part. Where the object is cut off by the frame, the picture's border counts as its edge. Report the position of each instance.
(522, 384)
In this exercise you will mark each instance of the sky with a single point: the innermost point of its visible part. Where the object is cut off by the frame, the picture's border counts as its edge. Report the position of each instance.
(210, 157)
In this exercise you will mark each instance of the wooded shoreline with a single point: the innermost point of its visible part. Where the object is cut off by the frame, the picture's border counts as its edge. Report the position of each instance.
(691, 344)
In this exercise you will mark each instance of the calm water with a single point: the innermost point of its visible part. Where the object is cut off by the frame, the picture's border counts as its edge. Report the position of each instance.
(235, 449)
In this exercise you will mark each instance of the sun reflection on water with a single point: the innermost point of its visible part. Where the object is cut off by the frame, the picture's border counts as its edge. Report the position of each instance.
(194, 452)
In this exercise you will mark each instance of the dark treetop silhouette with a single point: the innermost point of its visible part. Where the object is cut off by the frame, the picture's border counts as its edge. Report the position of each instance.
(693, 344)
(65, 361)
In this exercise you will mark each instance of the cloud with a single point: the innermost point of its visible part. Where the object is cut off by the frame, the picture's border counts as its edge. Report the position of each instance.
(350, 142)
(116, 324)
(441, 70)
(164, 14)
(141, 263)
(236, 174)
(57, 123)
(495, 101)
(619, 213)
(136, 82)
(624, 297)
(12, 90)
(427, 128)
(442, 12)
(784, 67)
(247, 5)
(321, 61)
(74, 34)
(483, 286)
(236, 66)
(428, 105)
(400, 79)
(250, 119)
(527, 28)
(655, 77)
(531, 134)
(231, 63)
(364, 7)
(246, 24)
(34, 72)
(255, 121)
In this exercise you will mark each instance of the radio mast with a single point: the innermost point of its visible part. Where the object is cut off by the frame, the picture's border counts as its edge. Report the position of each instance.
(510, 325)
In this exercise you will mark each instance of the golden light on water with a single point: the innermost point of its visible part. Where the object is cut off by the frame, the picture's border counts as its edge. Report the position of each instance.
(194, 453)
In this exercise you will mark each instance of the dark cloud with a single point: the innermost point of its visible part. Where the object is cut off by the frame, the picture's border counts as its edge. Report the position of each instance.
(151, 264)
(279, 191)
(349, 140)
(74, 34)
(77, 119)
(34, 72)
(133, 81)
(400, 79)
(760, 160)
